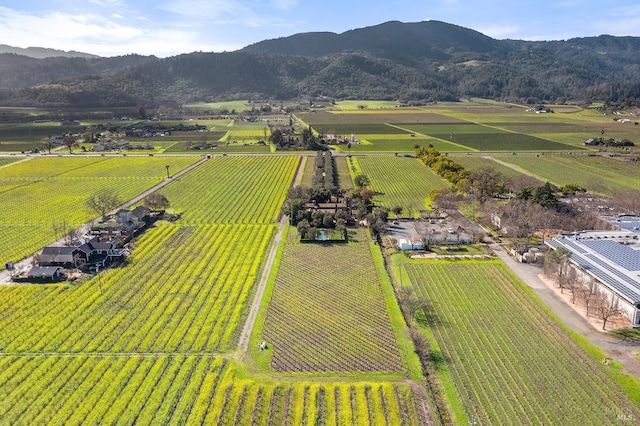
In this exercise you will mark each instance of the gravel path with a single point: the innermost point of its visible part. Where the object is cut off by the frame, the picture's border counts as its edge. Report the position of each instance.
(243, 342)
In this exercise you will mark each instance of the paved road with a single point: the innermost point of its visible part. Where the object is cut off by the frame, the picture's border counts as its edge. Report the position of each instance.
(614, 347)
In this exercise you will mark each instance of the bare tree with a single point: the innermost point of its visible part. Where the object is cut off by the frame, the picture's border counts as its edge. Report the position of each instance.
(573, 284)
(410, 302)
(588, 291)
(425, 234)
(70, 142)
(69, 233)
(556, 264)
(48, 144)
(103, 201)
(607, 306)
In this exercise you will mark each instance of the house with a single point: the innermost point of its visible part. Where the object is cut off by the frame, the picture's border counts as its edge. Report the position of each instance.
(140, 214)
(46, 274)
(58, 256)
(94, 252)
(129, 220)
(592, 142)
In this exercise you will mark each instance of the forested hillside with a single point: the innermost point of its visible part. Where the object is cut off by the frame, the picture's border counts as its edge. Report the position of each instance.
(410, 62)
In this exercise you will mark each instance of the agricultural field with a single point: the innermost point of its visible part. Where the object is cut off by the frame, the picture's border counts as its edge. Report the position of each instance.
(398, 143)
(155, 341)
(399, 181)
(350, 329)
(233, 189)
(186, 389)
(509, 357)
(473, 162)
(478, 137)
(39, 192)
(185, 290)
(597, 174)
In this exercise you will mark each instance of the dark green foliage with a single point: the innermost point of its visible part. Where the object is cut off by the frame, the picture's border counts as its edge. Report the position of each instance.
(415, 62)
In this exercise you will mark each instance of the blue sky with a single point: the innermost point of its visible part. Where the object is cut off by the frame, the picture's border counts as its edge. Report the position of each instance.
(170, 27)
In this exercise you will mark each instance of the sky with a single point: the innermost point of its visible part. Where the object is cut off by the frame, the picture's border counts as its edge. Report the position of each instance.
(170, 27)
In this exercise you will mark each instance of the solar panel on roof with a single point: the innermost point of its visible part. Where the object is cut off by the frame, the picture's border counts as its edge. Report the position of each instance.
(618, 253)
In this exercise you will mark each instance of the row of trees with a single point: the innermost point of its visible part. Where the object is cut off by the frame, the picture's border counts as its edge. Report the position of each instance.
(598, 302)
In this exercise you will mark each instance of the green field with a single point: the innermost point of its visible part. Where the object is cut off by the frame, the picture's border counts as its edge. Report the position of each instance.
(185, 290)
(42, 191)
(597, 174)
(400, 181)
(473, 162)
(510, 358)
(183, 389)
(233, 189)
(349, 330)
(166, 338)
(155, 341)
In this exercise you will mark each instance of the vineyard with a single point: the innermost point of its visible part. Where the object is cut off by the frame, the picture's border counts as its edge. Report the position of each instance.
(349, 330)
(185, 290)
(233, 190)
(39, 192)
(475, 162)
(596, 174)
(400, 181)
(510, 359)
(183, 389)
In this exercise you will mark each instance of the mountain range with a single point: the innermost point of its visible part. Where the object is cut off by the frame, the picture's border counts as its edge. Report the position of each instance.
(411, 62)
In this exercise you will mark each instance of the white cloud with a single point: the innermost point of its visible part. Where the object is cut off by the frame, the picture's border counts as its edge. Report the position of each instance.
(100, 35)
(284, 4)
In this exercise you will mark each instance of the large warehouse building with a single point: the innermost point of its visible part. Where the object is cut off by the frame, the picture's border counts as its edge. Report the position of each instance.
(612, 258)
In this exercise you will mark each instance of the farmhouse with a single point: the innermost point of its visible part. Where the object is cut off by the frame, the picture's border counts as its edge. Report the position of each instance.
(58, 256)
(612, 259)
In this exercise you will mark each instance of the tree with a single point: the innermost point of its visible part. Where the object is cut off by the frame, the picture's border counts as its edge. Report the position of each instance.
(409, 302)
(486, 183)
(70, 142)
(103, 201)
(607, 306)
(276, 137)
(156, 201)
(545, 196)
(68, 232)
(361, 181)
(397, 210)
(48, 145)
(588, 291)
(557, 263)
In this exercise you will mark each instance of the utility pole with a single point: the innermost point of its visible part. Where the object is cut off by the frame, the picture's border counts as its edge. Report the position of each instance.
(168, 175)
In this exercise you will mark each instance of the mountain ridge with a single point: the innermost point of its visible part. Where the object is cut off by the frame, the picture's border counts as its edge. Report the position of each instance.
(411, 62)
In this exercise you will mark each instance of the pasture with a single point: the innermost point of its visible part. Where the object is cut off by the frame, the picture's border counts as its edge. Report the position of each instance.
(510, 358)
